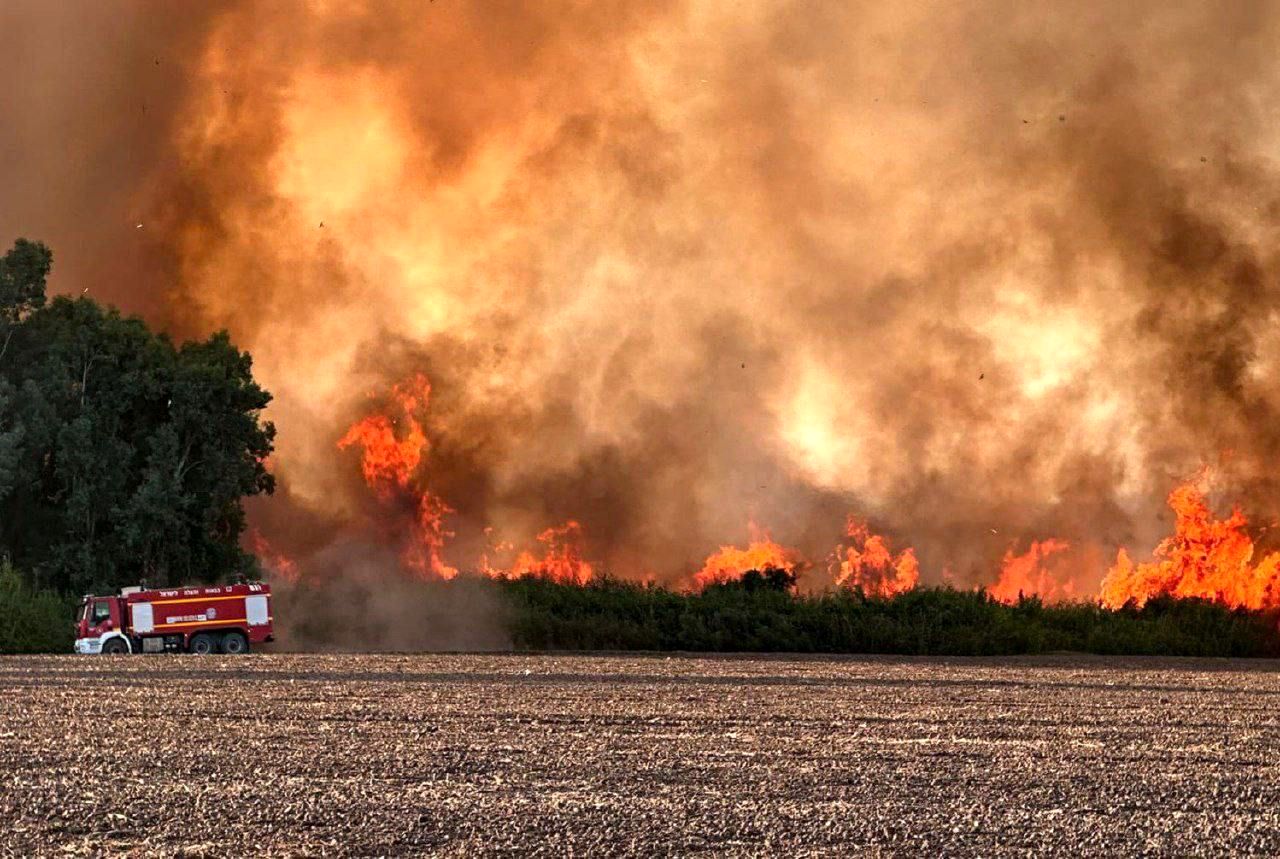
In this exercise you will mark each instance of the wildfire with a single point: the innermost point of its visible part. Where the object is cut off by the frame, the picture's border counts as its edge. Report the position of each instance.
(391, 458)
(729, 563)
(562, 558)
(1206, 557)
(392, 450)
(868, 563)
(424, 553)
(275, 563)
(1026, 575)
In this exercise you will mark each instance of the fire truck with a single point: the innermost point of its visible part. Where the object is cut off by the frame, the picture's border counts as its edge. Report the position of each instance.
(226, 619)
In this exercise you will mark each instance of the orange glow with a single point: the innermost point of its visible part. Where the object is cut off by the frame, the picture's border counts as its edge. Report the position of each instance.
(393, 448)
(730, 563)
(393, 462)
(562, 558)
(1026, 575)
(868, 564)
(275, 563)
(1206, 557)
(391, 457)
(424, 552)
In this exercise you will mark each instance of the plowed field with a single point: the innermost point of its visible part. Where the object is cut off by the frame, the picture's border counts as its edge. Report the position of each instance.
(464, 755)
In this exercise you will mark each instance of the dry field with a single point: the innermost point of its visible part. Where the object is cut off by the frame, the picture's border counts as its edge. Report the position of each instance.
(558, 755)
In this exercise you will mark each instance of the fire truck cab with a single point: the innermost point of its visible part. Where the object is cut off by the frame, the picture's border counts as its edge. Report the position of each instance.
(225, 619)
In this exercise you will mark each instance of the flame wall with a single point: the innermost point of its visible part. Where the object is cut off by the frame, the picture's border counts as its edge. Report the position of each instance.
(980, 273)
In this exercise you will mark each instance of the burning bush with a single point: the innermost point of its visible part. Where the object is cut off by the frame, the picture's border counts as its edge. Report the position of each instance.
(1206, 557)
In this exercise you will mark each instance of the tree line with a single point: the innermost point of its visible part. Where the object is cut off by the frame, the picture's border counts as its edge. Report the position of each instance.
(124, 457)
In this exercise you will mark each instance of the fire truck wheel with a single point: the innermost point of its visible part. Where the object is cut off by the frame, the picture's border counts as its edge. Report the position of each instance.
(115, 647)
(202, 644)
(235, 643)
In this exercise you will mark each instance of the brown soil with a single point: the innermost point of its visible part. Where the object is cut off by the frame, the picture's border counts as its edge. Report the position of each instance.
(527, 755)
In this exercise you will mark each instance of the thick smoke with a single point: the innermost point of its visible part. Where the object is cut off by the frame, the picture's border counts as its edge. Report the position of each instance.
(982, 273)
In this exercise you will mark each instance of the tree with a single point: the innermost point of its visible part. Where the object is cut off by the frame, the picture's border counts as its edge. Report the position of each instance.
(22, 281)
(122, 457)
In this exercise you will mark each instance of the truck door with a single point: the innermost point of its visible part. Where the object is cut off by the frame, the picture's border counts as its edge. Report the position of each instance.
(82, 618)
(104, 616)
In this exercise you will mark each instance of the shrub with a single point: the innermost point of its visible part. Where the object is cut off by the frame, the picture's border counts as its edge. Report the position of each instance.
(763, 613)
(32, 621)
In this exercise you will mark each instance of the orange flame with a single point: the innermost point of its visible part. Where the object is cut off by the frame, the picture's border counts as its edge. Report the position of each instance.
(562, 560)
(868, 564)
(1206, 557)
(393, 449)
(1025, 575)
(730, 563)
(388, 458)
(275, 563)
(424, 553)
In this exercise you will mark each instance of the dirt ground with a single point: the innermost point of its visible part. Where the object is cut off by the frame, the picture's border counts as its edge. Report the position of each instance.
(560, 755)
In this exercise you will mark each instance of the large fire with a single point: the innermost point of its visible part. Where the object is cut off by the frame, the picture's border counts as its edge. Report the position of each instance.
(1025, 575)
(424, 552)
(729, 563)
(393, 462)
(561, 560)
(392, 446)
(868, 564)
(1206, 557)
(676, 264)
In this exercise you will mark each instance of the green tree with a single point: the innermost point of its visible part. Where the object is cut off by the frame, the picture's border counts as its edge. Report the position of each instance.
(22, 278)
(122, 457)
(22, 289)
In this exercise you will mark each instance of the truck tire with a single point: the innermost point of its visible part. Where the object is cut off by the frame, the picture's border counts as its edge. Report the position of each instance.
(202, 644)
(115, 647)
(235, 643)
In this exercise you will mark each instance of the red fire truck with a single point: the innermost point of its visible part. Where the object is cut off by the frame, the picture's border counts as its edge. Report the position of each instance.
(225, 619)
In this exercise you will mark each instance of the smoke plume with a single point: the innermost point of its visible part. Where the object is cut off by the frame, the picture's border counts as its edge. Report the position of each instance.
(981, 274)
